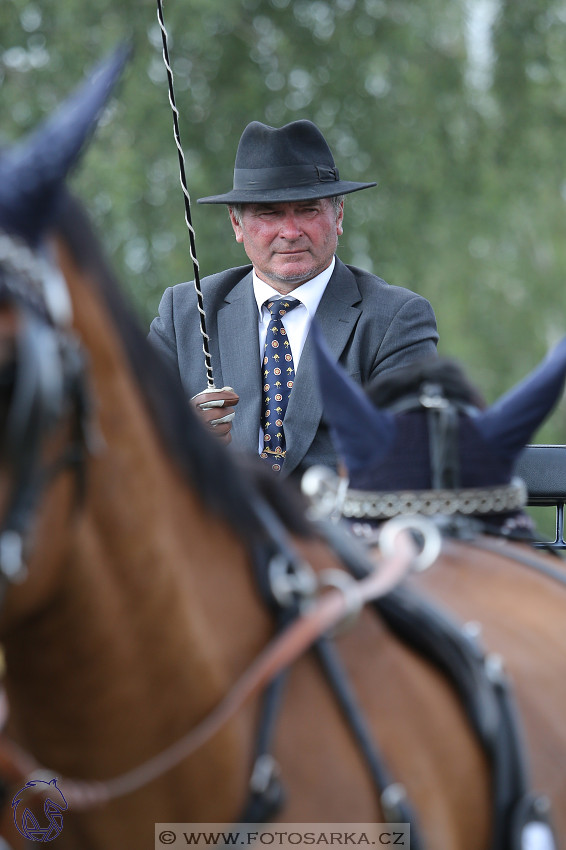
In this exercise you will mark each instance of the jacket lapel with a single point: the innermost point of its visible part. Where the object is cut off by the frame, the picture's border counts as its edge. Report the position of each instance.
(239, 355)
(336, 316)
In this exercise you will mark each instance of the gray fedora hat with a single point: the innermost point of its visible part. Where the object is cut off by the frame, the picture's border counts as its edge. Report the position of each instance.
(292, 163)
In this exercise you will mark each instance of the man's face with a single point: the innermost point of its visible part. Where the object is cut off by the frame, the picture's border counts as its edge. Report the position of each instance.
(289, 243)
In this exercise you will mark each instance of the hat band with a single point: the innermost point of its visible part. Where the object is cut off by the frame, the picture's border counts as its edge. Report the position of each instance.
(283, 177)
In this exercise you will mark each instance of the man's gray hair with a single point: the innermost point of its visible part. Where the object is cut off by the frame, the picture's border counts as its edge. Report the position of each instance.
(236, 209)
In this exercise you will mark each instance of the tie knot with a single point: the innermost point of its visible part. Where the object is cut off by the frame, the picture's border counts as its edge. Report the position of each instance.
(281, 306)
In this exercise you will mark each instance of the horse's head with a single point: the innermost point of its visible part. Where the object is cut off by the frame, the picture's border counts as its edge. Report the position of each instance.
(424, 428)
(41, 365)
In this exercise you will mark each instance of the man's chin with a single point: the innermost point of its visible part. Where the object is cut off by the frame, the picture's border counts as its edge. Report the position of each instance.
(291, 272)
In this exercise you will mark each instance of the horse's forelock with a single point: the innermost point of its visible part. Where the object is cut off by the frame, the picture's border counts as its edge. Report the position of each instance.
(395, 384)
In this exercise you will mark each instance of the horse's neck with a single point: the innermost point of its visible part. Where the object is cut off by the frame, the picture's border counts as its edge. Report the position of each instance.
(138, 613)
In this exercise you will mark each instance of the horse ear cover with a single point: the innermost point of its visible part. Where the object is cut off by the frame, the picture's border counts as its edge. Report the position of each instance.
(510, 422)
(33, 172)
(362, 434)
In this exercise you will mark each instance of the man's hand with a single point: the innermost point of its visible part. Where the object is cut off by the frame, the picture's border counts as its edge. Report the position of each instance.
(216, 409)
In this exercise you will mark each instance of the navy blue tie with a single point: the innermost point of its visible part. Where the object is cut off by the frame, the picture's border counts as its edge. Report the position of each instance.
(278, 373)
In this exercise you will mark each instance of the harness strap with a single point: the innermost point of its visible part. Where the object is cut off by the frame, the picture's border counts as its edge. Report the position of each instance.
(263, 803)
(260, 807)
(396, 808)
(486, 696)
(266, 794)
(526, 559)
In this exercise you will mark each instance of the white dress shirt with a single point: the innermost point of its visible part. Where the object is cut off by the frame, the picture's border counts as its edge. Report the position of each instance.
(297, 321)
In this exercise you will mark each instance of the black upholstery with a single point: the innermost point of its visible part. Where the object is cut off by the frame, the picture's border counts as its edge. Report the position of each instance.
(543, 469)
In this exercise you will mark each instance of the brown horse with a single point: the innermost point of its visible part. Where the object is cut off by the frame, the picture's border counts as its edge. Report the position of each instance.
(138, 609)
(422, 441)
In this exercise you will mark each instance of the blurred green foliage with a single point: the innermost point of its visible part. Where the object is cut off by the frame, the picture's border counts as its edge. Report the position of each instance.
(456, 107)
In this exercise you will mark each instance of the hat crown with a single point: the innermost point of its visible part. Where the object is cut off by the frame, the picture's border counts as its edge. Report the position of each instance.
(297, 143)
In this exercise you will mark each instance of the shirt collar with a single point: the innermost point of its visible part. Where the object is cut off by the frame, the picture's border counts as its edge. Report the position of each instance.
(308, 293)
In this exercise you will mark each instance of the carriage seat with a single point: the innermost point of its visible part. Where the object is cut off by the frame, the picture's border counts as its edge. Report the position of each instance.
(543, 469)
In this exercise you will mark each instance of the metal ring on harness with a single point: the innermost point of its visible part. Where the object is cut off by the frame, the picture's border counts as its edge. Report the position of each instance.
(431, 537)
(326, 492)
(290, 583)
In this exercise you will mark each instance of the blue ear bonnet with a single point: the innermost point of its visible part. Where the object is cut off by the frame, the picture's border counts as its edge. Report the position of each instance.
(33, 172)
(417, 445)
(408, 464)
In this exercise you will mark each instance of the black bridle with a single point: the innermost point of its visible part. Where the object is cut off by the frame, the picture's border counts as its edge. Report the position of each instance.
(47, 382)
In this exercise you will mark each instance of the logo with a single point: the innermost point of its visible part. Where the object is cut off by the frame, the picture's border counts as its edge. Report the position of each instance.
(25, 820)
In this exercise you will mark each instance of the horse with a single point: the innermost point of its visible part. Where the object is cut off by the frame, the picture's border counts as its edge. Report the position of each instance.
(421, 440)
(130, 550)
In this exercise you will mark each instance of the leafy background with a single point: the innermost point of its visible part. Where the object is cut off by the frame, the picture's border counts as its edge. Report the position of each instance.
(456, 107)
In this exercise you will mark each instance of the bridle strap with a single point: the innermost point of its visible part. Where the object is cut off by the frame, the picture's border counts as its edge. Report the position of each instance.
(49, 372)
(443, 447)
(36, 399)
(442, 416)
(394, 802)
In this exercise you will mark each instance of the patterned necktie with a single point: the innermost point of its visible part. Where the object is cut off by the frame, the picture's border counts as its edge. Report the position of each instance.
(278, 376)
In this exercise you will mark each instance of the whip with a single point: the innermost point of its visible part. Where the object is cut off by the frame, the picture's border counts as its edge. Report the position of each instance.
(188, 221)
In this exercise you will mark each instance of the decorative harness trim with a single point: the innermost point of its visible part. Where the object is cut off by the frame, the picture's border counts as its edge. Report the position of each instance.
(331, 497)
(364, 504)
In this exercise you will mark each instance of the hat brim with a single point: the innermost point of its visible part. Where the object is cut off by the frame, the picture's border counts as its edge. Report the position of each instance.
(298, 193)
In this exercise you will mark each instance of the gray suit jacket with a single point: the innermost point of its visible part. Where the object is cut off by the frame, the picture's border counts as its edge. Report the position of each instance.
(369, 326)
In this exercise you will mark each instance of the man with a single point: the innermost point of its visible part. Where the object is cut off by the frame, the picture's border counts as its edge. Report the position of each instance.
(286, 208)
